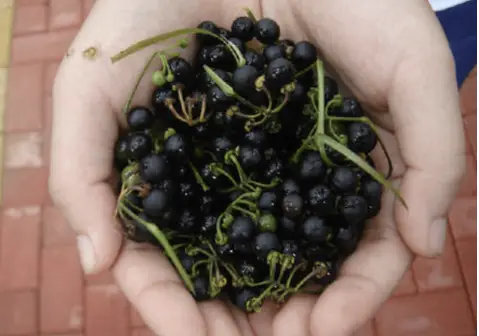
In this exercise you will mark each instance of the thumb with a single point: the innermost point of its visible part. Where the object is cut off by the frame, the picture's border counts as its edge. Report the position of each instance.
(83, 136)
(425, 107)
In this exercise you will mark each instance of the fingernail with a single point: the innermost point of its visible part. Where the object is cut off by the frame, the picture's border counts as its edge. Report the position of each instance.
(437, 236)
(87, 253)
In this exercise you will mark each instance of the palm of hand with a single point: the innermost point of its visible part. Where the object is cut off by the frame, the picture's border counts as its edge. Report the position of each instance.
(373, 64)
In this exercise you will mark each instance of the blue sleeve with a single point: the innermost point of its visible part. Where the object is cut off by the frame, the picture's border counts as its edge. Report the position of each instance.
(460, 26)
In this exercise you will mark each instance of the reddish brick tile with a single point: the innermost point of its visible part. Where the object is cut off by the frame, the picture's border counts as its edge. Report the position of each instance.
(467, 251)
(24, 98)
(24, 187)
(366, 330)
(406, 286)
(468, 185)
(61, 290)
(18, 313)
(65, 13)
(30, 19)
(135, 319)
(56, 231)
(470, 123)
(51, 46)
(50, 73)
(463, 217)
(19, 248)
(106, 311)
(443, 313)
(468, 94)
(104, 278)
(438, 273)
(142, 332)
(23, 150)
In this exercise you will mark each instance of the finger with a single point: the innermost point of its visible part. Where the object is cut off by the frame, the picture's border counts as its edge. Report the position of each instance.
(241, 320)
(262, 322)
(366, 279)
(425, 107)
(293, 319)
(153, 287)
(81, 156)
(219, 320)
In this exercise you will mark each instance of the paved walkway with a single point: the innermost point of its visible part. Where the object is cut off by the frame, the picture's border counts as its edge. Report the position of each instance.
(42, 289)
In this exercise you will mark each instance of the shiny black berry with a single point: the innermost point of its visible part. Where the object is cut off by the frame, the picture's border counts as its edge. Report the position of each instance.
(250, 269)
(287, 227)
(208, 224)
(225, 33)
(188, 222)
(257, 138)
(244, 79)
(238, 44)
(182, 71)
(290, 186)
(205, 82)
(279, 73)
(154, 168)
(321, 200)
(353, 208)
(242, 296)
(241, 230)
(139, 118)
(361, 137)
(274, 168)
(170, 187)
(266, 242)
(214, 180)
(315, 230)
(139, 145)
(250, 158)
(312, 167)
(159, 101)
(243, 28)
(267, 31)
(254, 59)
(370, 189)
(122, 152)
(343, 180)
(189, 192)
(273, 52)
(330, 88)
(212, 28)
(292, 205)
(218, 99)
(221, 145)
(218, 57)
(269, 201)
(201, 286)
(156, 203)
(350, 108)
(346, 239)
(299, 96)
(177, 147)
(304, 54)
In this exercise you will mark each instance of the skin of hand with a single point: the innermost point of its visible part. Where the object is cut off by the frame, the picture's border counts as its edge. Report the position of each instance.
(393, 56)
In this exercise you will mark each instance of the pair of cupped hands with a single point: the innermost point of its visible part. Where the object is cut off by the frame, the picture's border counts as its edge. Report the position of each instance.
(392, 55)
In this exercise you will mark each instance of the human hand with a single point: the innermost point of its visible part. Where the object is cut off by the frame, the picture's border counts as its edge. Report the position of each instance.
(405, 69)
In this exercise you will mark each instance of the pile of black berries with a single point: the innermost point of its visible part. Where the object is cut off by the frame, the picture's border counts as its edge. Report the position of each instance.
(247, 169)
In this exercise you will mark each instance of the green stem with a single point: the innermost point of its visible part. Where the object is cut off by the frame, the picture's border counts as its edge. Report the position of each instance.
(293, 272)
(282, 104)
(194, 269)
(158, 234)
(250, 14)
(140, 45)
(320, 97)
(323, 139)
(221, 171)
(231, 157)
(302, 72)
(245, 212)
(368, 121)
(127, 106)
(198, 177)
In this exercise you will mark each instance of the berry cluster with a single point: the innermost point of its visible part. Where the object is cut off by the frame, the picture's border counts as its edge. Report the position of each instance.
(248, 169)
